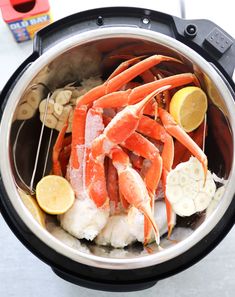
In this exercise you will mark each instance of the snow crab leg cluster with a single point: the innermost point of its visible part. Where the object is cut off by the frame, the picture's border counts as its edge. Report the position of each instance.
(124, 121)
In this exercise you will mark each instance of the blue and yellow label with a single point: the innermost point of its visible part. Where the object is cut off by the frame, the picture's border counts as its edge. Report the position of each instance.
(26, 28)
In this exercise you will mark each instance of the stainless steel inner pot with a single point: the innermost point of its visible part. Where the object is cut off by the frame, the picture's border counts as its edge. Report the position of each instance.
(59, 65)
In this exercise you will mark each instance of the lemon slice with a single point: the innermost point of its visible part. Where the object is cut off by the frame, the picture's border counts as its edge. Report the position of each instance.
(54, 194)
(188, 107)
(33, 208)
(214, 95)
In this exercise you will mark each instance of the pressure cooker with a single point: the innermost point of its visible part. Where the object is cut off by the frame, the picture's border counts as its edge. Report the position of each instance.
(210, 54)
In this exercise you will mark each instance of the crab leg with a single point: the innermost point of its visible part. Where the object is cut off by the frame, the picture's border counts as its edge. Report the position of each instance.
(123, 124)
(124, 65)
(67, 141)
(163, 98)
(56, 166)
(117, 131)
(94, 172)
(182, 154)
(120, 128)
(148, 76)
(75, 168)
(65, 154)
(136, 49)
(161, 72)
(153, 129)
(167, 158)
(141, 146)
(166, 95)
(198, 137)
(131, 85)
(151, 108)
(122, 78)
(133, 188)
(174, 130)
(169, 210)
(112, 187)
(78, 134)
(125, 98)
(136, 160)
(64, 158)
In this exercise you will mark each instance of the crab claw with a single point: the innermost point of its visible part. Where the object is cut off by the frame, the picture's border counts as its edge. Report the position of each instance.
(56, 165)
(176, 131)
(133, 188)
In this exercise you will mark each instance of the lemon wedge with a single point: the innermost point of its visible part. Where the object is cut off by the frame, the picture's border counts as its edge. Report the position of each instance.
(54, 194)
(188, 107)
(32, 206)
(214, 95)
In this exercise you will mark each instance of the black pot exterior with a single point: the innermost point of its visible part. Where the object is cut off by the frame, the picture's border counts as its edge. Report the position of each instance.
(113, 280)
(106, 279)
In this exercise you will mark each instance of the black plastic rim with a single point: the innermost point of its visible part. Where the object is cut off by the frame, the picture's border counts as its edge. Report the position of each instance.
(113, 280)
(104, 279)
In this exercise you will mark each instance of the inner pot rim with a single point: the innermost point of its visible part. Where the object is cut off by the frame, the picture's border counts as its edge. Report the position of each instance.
(7, 176)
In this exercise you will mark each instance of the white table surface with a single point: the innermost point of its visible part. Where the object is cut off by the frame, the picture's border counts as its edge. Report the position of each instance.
(22, 274)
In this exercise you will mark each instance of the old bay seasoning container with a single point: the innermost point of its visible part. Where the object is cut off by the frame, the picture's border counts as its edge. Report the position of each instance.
(25, 17)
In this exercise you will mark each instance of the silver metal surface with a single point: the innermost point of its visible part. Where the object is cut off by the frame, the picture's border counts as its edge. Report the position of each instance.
(32, 190)
(207, 75)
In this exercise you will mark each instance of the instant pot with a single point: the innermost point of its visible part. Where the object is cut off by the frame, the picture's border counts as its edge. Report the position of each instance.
(206, 49)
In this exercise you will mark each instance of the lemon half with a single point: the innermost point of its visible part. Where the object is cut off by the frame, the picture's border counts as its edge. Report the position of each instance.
(32, 206)
(188, 107)
(54, 194)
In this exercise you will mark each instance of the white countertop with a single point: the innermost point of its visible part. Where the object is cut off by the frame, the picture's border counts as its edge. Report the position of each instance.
(12, 54)
(22, 274)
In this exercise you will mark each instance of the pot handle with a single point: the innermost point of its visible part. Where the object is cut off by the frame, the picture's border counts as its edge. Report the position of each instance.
(102, 18)
(204, 36)
(5, 92)
(104, 286)
(210, 41)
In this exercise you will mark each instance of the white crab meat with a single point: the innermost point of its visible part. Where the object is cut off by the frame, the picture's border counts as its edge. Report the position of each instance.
(84, 219)
(136, 221)
(124, 229)
(215, 201)
(116, 232)
(185, 188)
